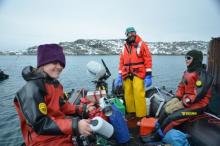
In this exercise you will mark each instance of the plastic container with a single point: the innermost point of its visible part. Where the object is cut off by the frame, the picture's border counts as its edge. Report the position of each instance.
(117, 102)
(147, 125)
(121, 132)
(100, 126)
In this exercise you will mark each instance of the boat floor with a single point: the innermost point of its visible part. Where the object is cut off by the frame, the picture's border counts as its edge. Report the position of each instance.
(203, 130)
(134, 135)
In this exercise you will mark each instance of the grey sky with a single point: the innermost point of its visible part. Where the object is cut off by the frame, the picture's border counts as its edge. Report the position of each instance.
(24, 23)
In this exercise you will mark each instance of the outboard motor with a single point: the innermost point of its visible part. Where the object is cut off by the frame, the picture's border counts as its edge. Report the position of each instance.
(100, 73)
(116, 118)
(96, 69)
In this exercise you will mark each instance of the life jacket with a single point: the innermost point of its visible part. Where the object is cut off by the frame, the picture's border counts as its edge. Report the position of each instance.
(195, 86)
(135, 59)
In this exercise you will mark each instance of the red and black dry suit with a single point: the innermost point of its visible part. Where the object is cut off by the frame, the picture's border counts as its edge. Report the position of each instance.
(199, 96)
(42, 110)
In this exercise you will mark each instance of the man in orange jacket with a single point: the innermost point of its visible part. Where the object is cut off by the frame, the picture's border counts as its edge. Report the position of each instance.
(135, 69)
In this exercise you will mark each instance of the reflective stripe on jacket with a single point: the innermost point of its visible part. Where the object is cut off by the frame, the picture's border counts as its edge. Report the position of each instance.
(135, 59)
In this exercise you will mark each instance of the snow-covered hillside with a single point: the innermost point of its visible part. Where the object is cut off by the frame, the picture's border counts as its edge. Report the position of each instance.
(110, 47)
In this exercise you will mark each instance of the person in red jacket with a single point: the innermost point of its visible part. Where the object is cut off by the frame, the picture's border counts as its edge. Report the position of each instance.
(191, 98)
(42, 106)
(135, 70)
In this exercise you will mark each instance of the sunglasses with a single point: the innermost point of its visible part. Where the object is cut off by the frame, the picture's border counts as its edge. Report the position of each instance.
(188, 57)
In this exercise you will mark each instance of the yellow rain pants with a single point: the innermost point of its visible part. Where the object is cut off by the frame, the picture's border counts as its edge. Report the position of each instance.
(135, 96)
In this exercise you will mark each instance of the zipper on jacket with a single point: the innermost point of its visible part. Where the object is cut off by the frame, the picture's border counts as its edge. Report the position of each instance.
(130, 49)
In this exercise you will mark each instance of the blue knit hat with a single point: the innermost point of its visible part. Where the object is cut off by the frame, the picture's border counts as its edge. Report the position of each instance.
(48, 53)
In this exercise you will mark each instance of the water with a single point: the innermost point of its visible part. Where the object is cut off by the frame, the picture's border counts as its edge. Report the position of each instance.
(167, 71)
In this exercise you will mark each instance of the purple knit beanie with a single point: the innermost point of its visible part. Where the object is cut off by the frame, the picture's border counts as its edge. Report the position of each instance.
(50, 53)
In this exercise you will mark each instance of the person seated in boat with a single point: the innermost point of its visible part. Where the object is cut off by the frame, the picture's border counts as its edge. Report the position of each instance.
(135, 71)
(42, 106)
(191, 98)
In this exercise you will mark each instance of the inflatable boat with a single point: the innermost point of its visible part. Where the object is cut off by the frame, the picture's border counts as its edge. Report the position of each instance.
(203, 130)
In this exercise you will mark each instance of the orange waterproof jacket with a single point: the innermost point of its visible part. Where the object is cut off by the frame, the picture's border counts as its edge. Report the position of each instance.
(135, 59)
(43, 110)
(196, 86)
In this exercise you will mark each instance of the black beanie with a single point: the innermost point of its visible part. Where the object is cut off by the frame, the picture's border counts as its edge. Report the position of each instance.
(196, 64)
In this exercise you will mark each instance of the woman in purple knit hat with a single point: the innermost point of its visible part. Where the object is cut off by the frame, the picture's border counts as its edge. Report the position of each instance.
(42, 106)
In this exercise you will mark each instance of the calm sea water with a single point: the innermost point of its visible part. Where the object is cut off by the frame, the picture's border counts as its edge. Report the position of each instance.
(167, 71)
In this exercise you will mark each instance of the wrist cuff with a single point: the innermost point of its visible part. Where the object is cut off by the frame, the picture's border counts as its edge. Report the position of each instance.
(149, 73)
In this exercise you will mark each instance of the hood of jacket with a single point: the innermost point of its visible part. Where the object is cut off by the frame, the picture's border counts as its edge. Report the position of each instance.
(31, 73)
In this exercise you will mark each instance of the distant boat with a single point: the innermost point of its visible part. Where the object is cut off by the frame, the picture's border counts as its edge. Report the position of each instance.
(3, 76)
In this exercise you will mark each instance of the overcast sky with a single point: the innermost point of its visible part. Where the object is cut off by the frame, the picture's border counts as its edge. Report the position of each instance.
(25, 23)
